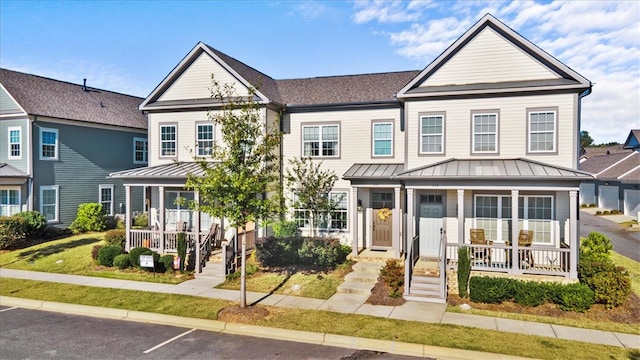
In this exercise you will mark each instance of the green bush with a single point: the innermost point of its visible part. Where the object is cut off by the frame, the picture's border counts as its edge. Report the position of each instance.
(275, 251)
(598, 212)
(595, 246)
(115, 237)
(107, 253)
(286, 228)
(134, 255)
(464, 270)
(182, 249)
(90, 217)
(94, 251)
(36, 223)
(122, 261)
(393, 275)
(490, 290)
(13, 232)
(140, 220)
(321, 252)
(575, 297)
(611, 284)
(529, 293)
(166, 262)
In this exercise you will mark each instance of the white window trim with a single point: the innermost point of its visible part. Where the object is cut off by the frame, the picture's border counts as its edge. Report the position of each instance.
(57, 144)
(474, 133)
(213, 138)
(9, 143)
(175, 126)
(373, 138)
(13, 188)
(555, 131)
(110, 187)
(345, 210)
(320, 140)
(146, 150)
(442, 117)
(57, 204)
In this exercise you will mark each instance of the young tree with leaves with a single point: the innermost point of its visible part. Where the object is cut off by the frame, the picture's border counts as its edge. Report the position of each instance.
(311, 185)
(241, 183)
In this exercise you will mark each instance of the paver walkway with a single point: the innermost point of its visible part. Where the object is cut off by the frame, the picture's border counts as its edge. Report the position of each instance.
(344, 303)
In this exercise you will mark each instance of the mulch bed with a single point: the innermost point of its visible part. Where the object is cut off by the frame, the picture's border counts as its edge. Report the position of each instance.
(380, 295)
(237, 314)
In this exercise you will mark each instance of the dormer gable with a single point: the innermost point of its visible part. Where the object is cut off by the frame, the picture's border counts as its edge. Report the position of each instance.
(492, 58)
(633, 140)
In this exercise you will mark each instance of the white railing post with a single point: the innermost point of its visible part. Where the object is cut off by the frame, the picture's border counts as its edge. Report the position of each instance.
(127, 217)
(515, 256)
(573, 234)
(408, 262)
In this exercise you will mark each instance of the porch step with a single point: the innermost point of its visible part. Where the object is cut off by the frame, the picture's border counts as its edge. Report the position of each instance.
(425, 288)
(355, 288)
(368, 267)
(362, 279)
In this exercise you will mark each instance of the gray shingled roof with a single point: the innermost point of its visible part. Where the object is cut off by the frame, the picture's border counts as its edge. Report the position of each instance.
(7, 170)
(592, 151)
(597, 164)
(632, 176)
(627, 164)
(58, 99)
(178, 170)
(372, 171)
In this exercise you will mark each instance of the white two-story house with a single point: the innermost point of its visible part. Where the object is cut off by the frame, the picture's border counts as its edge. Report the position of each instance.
(485, 137)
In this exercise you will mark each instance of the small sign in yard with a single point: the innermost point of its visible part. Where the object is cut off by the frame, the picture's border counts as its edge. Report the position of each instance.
(146, 261)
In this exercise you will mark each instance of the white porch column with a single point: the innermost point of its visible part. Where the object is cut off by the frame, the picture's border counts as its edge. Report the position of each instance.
(574, 246)
(161, 216)
(354, 221)
(397, 222)
(127, 217)
(196, 198)
(514, 233)
(460, 216)
(409, 231)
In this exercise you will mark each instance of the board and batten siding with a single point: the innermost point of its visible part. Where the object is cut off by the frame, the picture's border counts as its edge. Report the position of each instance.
(512, 128)
(195, 81)
(489, 58)
(86, 156)
(22, 163)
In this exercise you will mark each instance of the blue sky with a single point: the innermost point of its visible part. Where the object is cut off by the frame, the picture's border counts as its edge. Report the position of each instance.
(129, 46)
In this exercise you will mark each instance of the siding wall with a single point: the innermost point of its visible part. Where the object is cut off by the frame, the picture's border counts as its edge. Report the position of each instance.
(7, 104)
(22, 163)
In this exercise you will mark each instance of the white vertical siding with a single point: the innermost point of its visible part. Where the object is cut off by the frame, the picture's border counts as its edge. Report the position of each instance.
(195, 82)
(489, 58)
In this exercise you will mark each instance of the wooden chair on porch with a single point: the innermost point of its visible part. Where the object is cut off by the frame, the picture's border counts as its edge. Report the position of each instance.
(477, 238)
(525, 239)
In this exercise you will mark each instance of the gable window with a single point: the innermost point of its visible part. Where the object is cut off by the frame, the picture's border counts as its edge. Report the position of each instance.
(431, 134)
(48, 144)
(334, 220)
(542, 131)
(49, 202)
(485, 133)
(168, 140)
(106, 198)
(140, 151)
(205, 139)
(15, 143)
(9, 202)
(321, 140)
(382, 139)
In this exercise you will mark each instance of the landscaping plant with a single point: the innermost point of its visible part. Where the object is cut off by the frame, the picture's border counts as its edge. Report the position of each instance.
(90, 217)
(107, 254)
(393, 275)
(464, 270)
(182, 249)
(115, 237)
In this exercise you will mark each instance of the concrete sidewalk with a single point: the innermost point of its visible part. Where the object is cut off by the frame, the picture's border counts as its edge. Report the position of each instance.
(344, 303)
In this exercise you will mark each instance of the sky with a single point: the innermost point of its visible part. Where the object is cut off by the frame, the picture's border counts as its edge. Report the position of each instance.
(130, 46)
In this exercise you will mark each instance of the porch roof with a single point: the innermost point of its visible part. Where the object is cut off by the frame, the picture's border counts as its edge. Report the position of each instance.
(372, 171)
(7, 170)
(515, 169)
(177, 170)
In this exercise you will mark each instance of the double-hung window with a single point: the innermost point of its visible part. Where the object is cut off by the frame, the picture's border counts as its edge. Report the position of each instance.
(177, 211)
(334, 220)
(205, 133)
(485, 133)
(431, 134)
(140, 151)
(48, 144)
(382, 139)
(49, 202)
(542, 131)
(9, 202)
(321, 140)
(15, 143)
(168, 140)
(105, 198)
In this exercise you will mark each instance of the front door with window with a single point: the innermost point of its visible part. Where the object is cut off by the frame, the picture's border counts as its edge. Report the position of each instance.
(430, 224)
(382, 204)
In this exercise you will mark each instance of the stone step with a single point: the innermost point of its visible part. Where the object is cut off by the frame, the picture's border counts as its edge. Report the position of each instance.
(368, 267)
(355, 288)
(361, 277)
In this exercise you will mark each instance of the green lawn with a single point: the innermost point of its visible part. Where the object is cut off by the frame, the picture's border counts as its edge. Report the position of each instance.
(319, 321)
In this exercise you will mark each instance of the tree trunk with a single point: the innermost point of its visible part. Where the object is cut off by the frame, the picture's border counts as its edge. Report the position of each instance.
(243, 270)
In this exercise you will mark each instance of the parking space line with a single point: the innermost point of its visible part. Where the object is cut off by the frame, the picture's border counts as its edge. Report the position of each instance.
(168, 341)
(7, 309)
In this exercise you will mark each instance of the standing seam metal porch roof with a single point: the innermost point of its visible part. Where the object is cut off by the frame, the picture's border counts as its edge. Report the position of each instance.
(177, 170)
(372, 171)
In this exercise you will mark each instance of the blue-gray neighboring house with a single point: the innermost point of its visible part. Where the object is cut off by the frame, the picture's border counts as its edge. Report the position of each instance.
(58, 143)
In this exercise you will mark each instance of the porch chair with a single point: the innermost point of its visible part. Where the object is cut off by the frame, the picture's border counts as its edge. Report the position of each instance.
(525, 239)
(477, 238)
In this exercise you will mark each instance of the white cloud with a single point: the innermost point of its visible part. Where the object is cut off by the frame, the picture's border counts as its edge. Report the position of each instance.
(388, 11)
(310, 10)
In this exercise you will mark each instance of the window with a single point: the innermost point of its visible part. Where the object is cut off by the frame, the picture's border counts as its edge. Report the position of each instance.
(177, 211)
(432, 134)
(381, 200)
(542, 131)
(485, 133)
(9, 202)
(48, 144)
(49, 202)
(205, 139)
(321, 140)
(140, 151)
(106, 198)
(168, 141)
(15, 143)
(334, 220)
(382, 139)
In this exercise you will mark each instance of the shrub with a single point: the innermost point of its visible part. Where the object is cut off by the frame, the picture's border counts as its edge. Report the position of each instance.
(464, 270)
(140, 220)
(274, 251)
(107, 253)
(182, 249)
(615, 212)
(598, 212)
(13, 232)
(595, 246)
(286, 228)
(611, 285)
(490, 290)
(134, 255)
(94, 252)
(393, 275)
(36, 223)
(115, 237)
(606, 212)
(90, 218)
(584, 205)
(166, 262)
(529, 293)
(575, 297)
(592, 205)
(321, 252)
(122, 261)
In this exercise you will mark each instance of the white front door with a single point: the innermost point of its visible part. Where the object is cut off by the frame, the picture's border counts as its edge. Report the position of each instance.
(429, 228)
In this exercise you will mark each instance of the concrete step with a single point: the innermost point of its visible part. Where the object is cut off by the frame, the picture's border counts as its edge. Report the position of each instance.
(368, 267)
(425, 280)
(355, 288)
(362, 277)
(423, 298)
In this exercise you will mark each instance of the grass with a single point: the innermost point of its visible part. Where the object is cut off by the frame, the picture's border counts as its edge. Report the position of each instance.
(632, 266)
(72, 255)
(319, 321)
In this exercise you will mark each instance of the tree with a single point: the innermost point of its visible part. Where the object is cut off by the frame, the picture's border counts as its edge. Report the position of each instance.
(311, 185)
(585, 139)
(241, 184)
